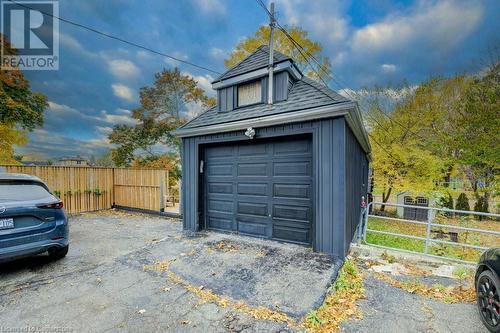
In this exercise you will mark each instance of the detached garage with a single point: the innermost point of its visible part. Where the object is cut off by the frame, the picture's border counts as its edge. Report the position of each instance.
(291, 169)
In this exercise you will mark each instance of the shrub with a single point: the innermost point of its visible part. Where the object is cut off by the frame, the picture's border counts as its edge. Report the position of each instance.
(481, 205)
(446, 202)
(462, 202)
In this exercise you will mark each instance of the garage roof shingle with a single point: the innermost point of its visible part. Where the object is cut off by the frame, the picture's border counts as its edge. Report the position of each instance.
(257, 60)
(305, 94)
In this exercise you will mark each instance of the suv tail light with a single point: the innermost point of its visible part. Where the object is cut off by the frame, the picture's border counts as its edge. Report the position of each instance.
(55, 205)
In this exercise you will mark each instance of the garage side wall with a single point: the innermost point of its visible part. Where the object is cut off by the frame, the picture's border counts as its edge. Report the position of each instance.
(356, 166)
(329, 178)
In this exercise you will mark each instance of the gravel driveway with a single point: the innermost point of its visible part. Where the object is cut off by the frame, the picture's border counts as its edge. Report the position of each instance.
(131, 272)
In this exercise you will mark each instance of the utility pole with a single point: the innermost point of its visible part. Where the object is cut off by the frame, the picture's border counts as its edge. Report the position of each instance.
(272, 24)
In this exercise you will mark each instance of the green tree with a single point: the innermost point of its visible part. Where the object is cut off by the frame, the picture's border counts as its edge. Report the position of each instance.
(104, 160)
(436, 102)
(462, 202)
(400, 158)
(283, 44)
(478, 137)
(21, 109)
(158, 115)
(481, 205)
(446, 201)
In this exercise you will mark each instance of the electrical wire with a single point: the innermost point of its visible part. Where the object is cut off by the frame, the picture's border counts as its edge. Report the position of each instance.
(122, 40)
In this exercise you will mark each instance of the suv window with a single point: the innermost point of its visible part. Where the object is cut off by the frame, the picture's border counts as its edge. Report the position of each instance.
(21, 191)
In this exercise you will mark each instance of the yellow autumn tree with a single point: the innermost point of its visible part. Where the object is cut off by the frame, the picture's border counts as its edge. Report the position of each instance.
(284, 45)
(401, 158)
(21, 110)
(10, 136)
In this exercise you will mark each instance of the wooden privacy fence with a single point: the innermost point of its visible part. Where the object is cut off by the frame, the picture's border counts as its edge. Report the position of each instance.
(140, 188)
(86, 189)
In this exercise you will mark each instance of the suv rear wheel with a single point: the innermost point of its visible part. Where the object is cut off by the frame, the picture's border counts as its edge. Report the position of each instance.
(58, 253)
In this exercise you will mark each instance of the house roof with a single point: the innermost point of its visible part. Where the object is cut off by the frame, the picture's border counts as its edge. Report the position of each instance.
(256, 60)
(305, 94)
(307, 100)
(76, 158)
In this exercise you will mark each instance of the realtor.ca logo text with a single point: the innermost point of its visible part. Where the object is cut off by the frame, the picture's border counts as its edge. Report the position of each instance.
(30, 35)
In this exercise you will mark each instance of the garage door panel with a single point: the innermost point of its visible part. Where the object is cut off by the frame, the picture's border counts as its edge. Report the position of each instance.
(253, 208)
(292, 169)
(220, 206)
(292, 212)
(254, 229)
(302, 236)
(252, 169)
(216, 153)
(220, 188)
(224, 170)
(257, 189)
(253, 150)
(219, 223)
(293, 190)
(293, 147)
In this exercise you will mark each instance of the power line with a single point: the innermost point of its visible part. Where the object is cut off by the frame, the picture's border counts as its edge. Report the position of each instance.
(302, 50)
(306, 58)
(79, 25)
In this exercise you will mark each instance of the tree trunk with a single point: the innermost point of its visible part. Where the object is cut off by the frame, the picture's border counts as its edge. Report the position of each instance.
(385, 198)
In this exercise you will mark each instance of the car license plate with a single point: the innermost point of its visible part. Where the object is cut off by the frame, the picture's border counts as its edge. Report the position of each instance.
(6, 224)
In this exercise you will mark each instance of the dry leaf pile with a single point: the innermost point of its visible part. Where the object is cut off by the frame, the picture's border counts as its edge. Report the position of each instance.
(340, 304)
(450, 294)
(159, 266)
(206, 295)
(223, 246)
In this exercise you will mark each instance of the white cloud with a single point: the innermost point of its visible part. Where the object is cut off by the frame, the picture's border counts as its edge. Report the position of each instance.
(441, 25)
(124, 118)
(123, 92)
(123, 69)
(103, 119)
(211, 6)
(105, 130)
(193, 109)
(50, 145)
(218, 54)
(204, 82)
(70, 43)
(388, 68)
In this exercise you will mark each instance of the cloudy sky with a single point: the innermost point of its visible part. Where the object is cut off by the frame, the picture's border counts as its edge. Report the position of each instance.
(371, 42)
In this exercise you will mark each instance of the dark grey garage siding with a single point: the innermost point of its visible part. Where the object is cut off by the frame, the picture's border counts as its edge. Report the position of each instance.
(330, 200)
(356, 183)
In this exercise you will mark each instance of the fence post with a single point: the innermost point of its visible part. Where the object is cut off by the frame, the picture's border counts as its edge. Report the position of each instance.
(428, 231)
(365, 225)
(361, 225)
(162, 191)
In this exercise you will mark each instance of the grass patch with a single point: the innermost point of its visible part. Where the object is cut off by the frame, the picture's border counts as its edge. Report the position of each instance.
(462, 272)
(340, 303)
(396, 242)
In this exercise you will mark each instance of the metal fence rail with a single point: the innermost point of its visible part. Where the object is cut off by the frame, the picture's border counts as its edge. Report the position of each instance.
(428, 240)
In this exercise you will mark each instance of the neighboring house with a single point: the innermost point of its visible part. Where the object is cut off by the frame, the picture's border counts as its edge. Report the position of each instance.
(293, 171)
(35, 163)
(73, 161)
(410, 213)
